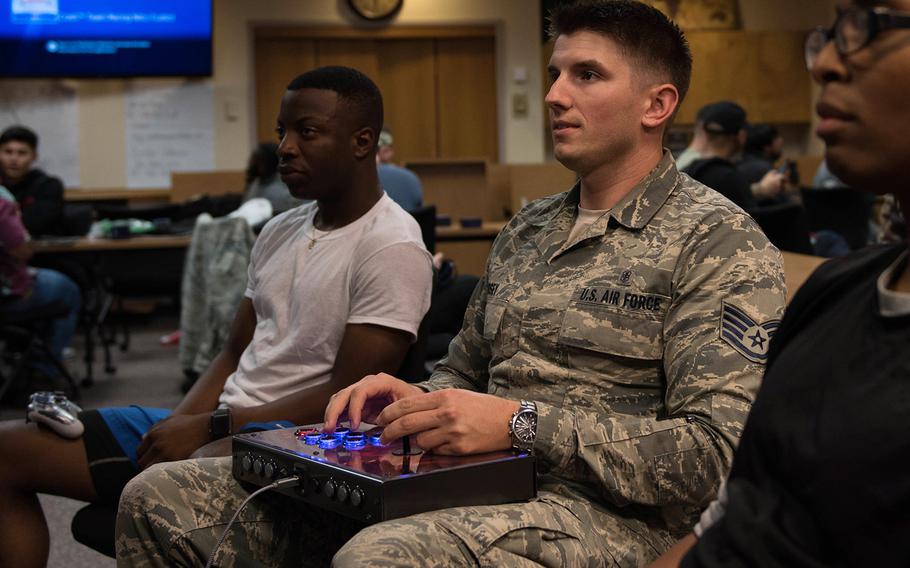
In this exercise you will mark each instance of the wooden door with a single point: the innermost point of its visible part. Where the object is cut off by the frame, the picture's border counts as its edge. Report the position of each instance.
(439, 87)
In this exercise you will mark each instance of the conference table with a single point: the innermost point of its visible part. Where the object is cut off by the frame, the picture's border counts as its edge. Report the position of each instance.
(143, 265)
(98, 244)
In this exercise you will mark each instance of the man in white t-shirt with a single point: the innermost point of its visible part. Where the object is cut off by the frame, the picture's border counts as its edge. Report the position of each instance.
(336, 290)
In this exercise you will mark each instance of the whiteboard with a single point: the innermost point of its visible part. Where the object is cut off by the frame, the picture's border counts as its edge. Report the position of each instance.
(169, 128)
(51, 110)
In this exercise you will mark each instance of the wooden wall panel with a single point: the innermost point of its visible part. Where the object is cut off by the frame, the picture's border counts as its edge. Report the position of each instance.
(466, 85)
(357, 53)
(498, 198)
(456, 187)
(720, 71)
(439, 91)
(278, 60)
(783, 90)
(762, 71)
(533, 181)
(407, 79)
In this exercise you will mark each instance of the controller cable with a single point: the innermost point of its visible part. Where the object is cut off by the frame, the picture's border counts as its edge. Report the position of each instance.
(281, 482)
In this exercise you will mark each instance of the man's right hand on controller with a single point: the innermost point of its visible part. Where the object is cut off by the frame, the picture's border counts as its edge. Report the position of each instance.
(364, 400)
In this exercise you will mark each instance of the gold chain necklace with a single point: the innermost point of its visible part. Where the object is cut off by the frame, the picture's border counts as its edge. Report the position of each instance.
(312, 236)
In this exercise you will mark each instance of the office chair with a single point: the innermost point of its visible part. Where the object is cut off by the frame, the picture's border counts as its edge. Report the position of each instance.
(842, 210)
(785, 226)
(20, 333)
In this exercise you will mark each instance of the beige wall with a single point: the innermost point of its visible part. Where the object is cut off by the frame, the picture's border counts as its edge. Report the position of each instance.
(102, 155)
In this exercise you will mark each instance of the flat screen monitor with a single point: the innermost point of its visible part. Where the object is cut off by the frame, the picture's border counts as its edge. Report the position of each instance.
(105, 38)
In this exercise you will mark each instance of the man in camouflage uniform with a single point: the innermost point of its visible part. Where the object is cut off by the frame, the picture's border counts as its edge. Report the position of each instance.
(632, 312)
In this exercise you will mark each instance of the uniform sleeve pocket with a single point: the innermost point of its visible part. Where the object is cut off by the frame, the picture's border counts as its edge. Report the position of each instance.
(492, 318)
(604, 330)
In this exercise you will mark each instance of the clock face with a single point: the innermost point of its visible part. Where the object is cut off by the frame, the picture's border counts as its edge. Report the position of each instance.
(375, 9)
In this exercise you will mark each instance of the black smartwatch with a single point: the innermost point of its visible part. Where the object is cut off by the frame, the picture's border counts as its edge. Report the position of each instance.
(220, 423)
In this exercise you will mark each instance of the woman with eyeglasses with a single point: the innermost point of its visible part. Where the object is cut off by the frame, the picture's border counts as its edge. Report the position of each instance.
(822, 473)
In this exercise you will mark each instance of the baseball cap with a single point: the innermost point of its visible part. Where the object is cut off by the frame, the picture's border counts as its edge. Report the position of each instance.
(724, 117)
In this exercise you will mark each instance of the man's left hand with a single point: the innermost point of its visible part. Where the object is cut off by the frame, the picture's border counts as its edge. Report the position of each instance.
(451, 421)
(174, 438)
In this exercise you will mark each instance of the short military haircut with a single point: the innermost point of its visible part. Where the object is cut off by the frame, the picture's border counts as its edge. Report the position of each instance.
(641, 32)
(20, 134)
(357, 90)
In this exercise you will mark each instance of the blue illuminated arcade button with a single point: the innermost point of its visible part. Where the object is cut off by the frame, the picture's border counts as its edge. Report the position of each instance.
(355, 441)
(329, 441)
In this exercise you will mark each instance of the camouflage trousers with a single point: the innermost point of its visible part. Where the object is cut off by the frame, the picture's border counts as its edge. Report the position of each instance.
(173, 514)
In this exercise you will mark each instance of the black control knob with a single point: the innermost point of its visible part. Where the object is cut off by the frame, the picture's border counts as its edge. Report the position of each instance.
(329, 489)
(342, 493)
(257, 466)
(270, 470)
(246, 463)
(356, 497)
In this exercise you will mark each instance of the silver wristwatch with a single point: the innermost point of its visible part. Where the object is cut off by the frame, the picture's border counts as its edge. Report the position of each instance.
(523, 426)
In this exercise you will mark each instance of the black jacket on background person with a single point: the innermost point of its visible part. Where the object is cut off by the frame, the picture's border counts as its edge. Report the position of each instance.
(40, 197)
(722, 176)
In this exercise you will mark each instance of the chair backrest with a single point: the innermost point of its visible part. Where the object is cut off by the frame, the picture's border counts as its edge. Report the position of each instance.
(843, 210)
(426, 218)
(785, 226)
(413, 368)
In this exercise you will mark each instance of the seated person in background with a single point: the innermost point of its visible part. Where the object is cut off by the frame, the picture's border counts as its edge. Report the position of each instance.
(402, 185)
(40, 196)
(263, 180)
(26, 289)
(697, 146)
(763, 148)
(824, 179)
(821, 475)
(598, 319)
(724, 125)
(337, 288)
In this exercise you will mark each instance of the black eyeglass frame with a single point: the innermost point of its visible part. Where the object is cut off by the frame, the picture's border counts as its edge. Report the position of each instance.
(877, 19)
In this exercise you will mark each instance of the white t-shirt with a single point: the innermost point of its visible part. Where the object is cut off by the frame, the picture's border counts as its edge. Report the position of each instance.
(375, 270)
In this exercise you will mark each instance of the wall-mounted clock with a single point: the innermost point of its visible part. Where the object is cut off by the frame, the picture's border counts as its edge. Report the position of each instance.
(375, 9)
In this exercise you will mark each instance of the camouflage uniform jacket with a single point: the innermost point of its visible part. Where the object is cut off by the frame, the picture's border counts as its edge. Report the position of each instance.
(643, 342)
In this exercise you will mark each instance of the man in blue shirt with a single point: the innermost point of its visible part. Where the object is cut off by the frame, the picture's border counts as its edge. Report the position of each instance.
(402, 185)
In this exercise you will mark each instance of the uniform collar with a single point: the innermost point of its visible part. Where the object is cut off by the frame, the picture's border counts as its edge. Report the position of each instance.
(633, 211)
(639, 206)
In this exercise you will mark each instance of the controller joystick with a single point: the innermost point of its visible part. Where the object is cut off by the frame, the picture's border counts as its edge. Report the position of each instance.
(56, 412)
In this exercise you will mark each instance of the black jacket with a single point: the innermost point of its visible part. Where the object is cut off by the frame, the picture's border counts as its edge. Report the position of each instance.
(40, 197)
(722, 176)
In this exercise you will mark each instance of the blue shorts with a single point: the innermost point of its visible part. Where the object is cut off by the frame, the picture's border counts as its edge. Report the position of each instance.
(112, 436)
(129, 424)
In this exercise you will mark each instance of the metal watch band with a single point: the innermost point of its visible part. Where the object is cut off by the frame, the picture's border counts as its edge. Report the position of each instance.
(523, 426)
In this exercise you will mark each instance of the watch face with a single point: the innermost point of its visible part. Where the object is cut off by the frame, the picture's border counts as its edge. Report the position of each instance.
(525, 427)
(375, 9)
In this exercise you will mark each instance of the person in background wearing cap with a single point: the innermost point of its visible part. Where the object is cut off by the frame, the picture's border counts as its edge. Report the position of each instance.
(697, 147)
(725, 128)
(402, 185)
(820, 477)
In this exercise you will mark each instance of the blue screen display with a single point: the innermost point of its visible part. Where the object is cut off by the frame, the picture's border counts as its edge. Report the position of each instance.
(105, 38)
